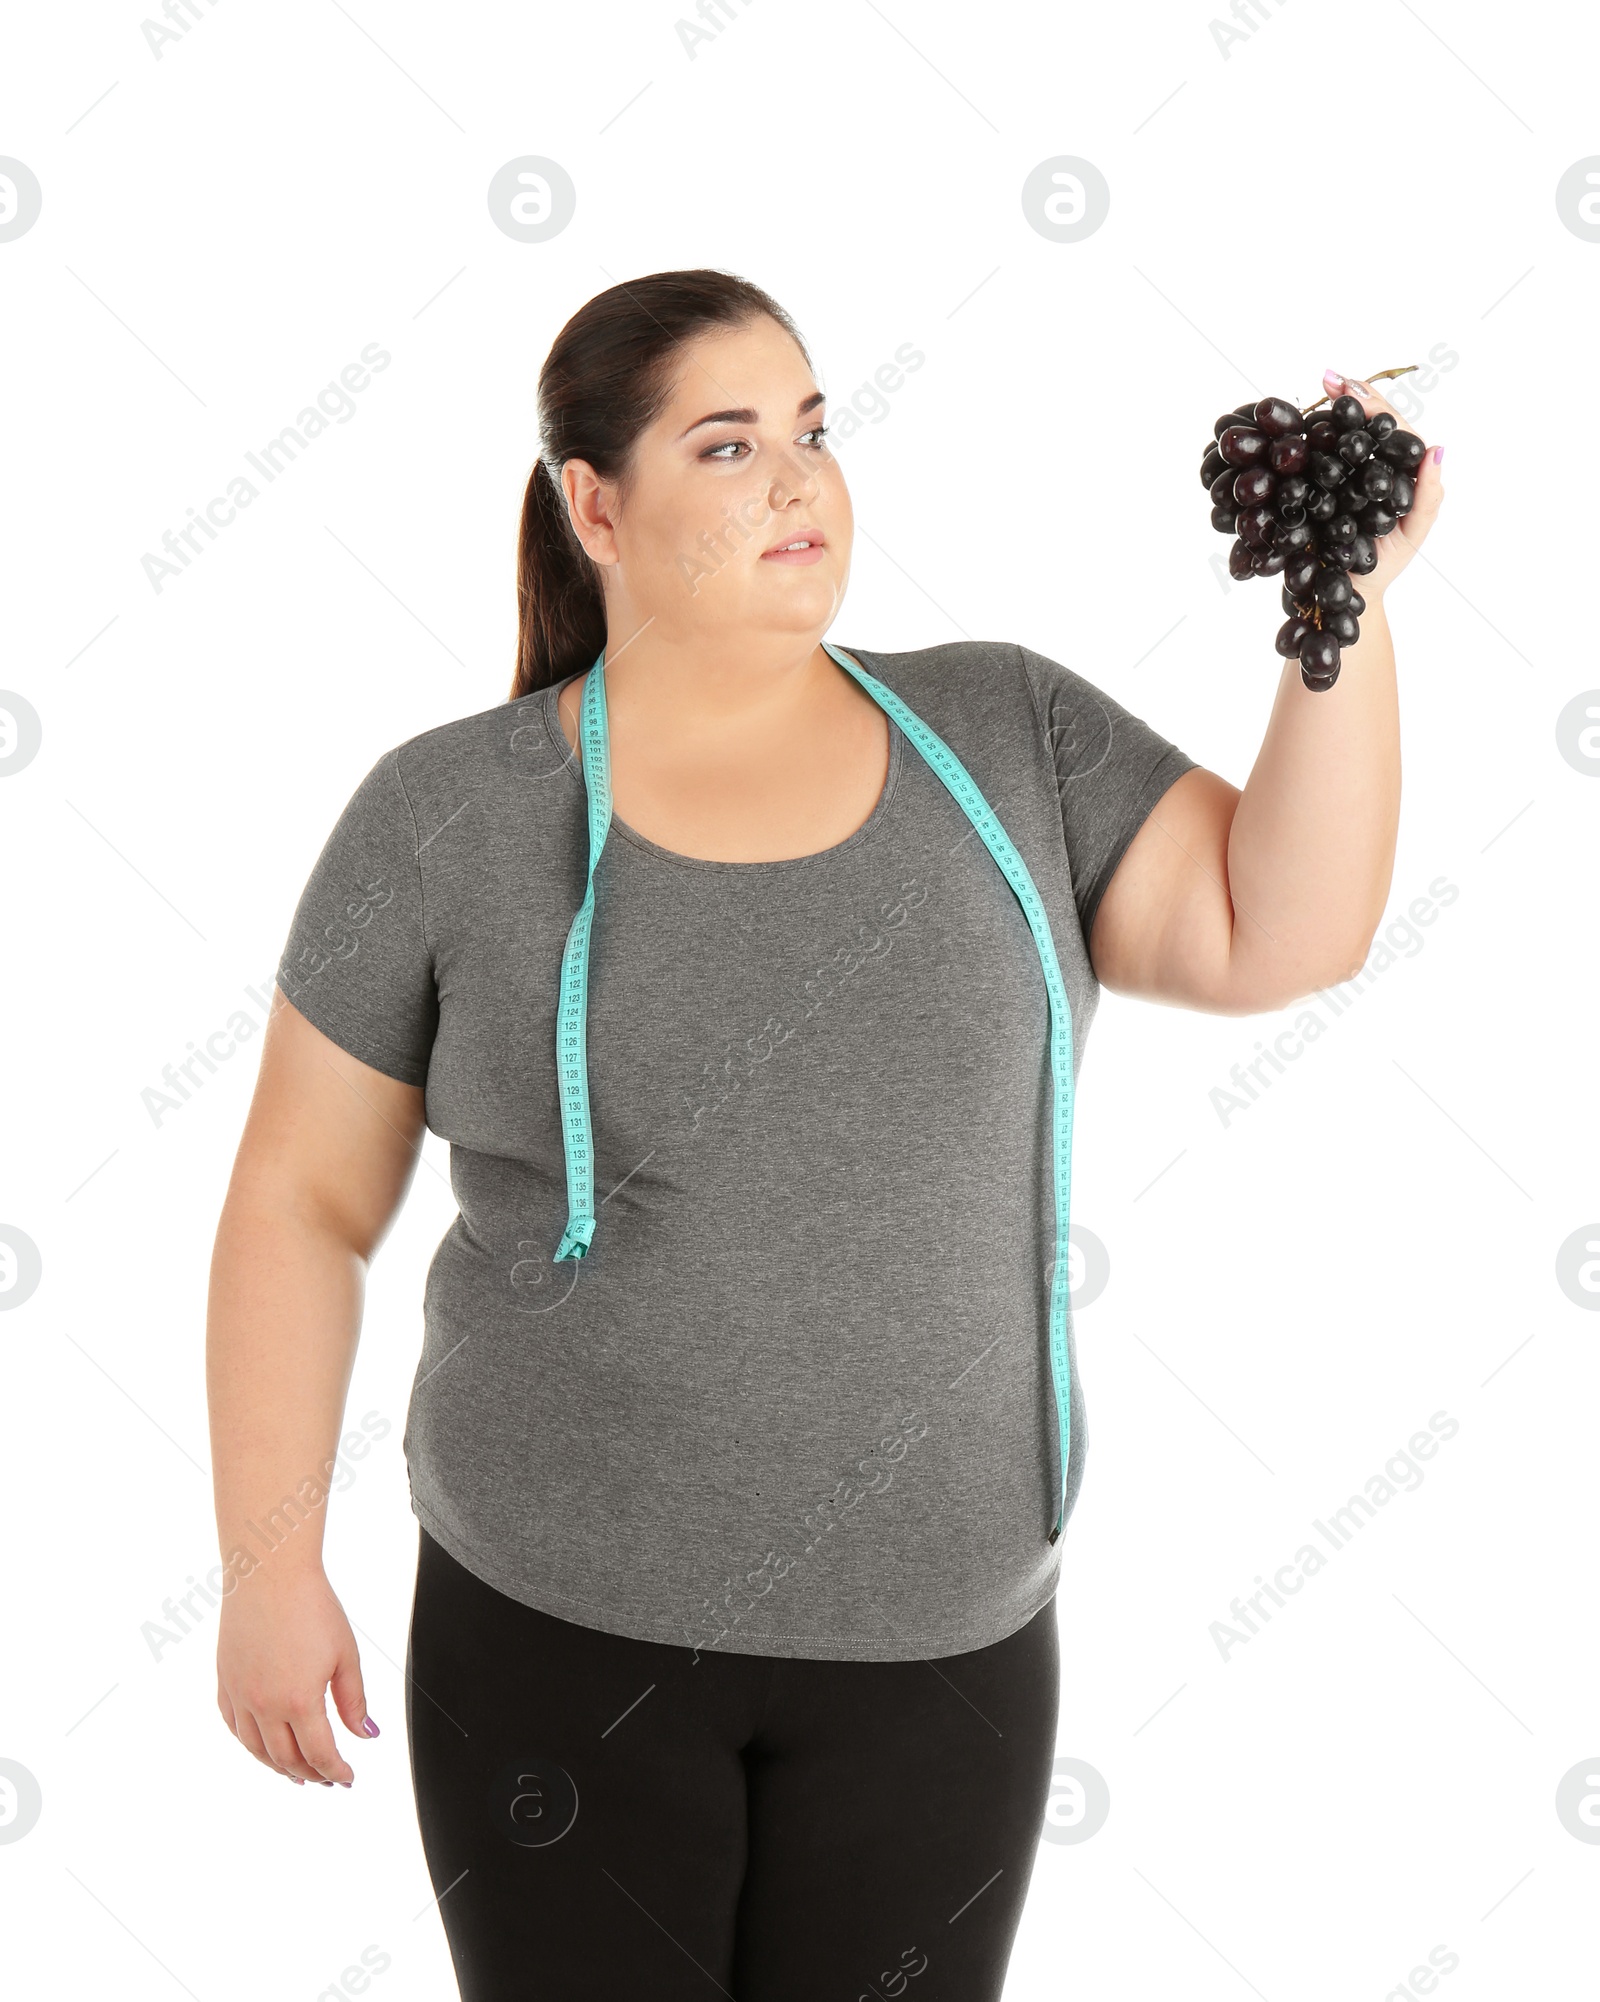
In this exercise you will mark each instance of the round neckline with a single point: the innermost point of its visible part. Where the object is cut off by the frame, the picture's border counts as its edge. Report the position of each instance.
(574, 770)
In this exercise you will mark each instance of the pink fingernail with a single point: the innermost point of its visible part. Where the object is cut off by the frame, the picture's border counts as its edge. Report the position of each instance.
(369, 1727)
(1438, 455)
(1333, 378)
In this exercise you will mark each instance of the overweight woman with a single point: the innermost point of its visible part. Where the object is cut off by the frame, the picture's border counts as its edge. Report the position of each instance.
(747, 974)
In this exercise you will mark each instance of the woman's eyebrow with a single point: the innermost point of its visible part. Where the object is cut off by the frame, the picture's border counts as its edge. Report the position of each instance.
(753, 416)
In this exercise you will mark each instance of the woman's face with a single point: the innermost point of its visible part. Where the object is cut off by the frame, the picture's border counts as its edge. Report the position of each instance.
(733, 467)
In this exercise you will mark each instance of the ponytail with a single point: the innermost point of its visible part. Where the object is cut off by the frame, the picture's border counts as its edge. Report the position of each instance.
(561, 615)
(609, 374)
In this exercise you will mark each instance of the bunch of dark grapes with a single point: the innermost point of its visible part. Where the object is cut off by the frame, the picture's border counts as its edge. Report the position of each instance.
(1308, 498)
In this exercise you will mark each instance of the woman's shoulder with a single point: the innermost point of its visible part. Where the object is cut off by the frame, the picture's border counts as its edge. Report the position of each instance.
(954, 669)
(948, 659)
(509, 740)
(992, 680)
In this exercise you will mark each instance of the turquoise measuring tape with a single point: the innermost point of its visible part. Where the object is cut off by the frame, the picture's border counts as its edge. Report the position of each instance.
(572, 1013)
(572, 1063)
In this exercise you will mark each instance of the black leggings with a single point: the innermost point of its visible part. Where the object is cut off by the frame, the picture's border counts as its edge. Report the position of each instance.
(606, 1817)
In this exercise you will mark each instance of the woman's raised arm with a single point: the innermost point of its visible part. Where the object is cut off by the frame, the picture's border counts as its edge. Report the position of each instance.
(1238, 902)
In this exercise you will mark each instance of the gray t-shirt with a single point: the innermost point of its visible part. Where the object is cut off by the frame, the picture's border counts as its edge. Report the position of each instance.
(797, 1399)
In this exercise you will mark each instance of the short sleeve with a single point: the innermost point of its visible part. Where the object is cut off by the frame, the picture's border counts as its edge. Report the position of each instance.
(1111, 768)
(357, 963)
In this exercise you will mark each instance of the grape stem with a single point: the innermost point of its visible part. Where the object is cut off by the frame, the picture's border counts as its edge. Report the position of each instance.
(1378, 375)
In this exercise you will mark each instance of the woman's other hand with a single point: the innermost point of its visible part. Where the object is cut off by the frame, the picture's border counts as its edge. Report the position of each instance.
(282, 1642)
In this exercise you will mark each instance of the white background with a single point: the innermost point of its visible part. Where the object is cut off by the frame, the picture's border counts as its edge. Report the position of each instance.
(1293, 1291)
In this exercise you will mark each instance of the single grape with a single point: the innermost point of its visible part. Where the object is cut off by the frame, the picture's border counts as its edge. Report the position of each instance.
(1328, 471)
(1254, 484)
(1290, 635)
(1322, 434)
(1292, 490)
(1357, 604)
(1363, 554)
(1225, 520)
(1337, 554)
(1277, 418)
(1289, 455)
(1341, 528)
(1346, 412)
(1302, 572)
(1343, 625)
(1211, 465)
(1256, 525)
(1333, 590)
(1319, 683)
(1322, 505)
(1245, 410)
(1320, 652)
(1222, 488)
(1354, 446)
(1375, 481)
(1290, 516)
(1403, 496)
(1403, 449)
(1239, 560)
(1376, 519)
(1268, 562)
(1380, 424)
(1242, 445)
(1225, 422)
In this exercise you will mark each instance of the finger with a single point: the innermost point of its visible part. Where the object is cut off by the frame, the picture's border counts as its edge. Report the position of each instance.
(349, 1694)
(1429, 478)
(248, 1732)
(314, 1741)
(285, 1752)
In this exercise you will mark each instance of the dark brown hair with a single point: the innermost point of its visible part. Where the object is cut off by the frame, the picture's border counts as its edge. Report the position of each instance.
(608, 376)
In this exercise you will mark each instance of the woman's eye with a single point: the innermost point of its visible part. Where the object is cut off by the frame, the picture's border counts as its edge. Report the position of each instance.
(733, 445)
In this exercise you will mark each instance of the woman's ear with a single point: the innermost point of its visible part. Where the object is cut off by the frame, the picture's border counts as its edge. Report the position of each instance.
(590, 504)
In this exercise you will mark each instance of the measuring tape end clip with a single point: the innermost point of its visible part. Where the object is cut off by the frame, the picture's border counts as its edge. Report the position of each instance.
(575, 1239)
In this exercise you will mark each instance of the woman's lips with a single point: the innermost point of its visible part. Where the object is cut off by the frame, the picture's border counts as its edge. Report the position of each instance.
(812, 553)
